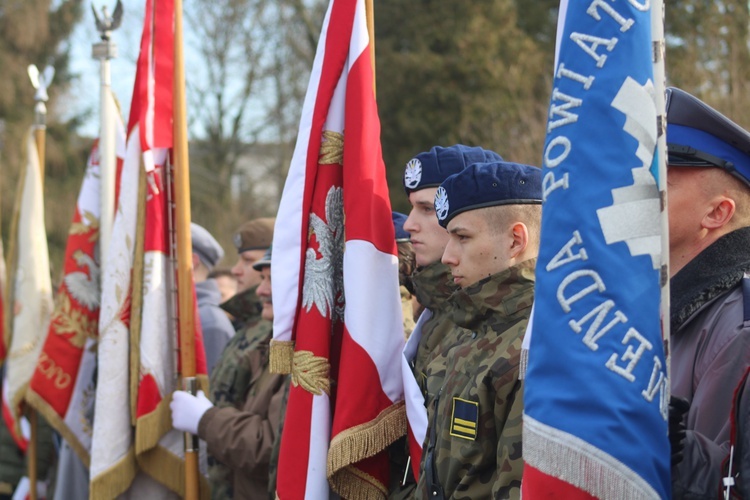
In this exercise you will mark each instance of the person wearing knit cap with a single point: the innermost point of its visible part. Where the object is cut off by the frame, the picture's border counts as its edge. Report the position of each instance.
(708, 201)
(492, 213)
(431, 281)
(215, 325)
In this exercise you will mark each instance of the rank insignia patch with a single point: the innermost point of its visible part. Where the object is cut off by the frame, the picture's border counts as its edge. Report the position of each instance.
(464, 419)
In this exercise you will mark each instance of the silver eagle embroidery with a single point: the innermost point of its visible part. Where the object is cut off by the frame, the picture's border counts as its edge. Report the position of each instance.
(323, 285)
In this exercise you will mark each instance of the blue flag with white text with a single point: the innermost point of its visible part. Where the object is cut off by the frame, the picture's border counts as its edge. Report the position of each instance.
(596, 390)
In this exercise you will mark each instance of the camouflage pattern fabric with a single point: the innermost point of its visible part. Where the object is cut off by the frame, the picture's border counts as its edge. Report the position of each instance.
(473, 447)
(433, 285)
(231, 376)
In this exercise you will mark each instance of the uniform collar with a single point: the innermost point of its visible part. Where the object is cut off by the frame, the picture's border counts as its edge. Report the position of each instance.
(433, 285)
(244, 305)
(504, 294)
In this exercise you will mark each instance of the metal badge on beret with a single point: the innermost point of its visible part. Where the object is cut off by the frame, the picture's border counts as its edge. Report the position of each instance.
(441, 203)
(413, 173)
(237, 240)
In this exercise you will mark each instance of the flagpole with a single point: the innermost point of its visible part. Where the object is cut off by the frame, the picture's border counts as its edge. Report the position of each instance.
(105, 50)
(658, 44)
(370, 15)
(184, 248)
(40, 83)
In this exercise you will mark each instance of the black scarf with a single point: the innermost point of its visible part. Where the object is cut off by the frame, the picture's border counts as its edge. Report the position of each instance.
(714, 271)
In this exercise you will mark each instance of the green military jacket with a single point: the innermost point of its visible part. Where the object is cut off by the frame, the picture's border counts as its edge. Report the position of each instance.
(473, 447)
(232, 374)
(433, 285)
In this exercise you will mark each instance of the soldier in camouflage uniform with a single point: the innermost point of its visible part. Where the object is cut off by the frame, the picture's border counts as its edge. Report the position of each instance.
(492, 212)
(431, 283)
(232, 374)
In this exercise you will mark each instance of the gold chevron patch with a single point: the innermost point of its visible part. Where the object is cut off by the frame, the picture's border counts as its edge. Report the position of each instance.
(465, 419)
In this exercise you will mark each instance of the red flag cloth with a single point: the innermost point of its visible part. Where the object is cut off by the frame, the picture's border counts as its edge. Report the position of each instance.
(338, 322)
(138, 342)
(62, 388)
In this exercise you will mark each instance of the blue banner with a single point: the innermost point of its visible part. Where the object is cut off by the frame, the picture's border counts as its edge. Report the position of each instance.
(597, 391)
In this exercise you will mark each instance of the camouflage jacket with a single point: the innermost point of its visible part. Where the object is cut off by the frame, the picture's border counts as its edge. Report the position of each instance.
(230, 378)
(473, 447)
(433, 285)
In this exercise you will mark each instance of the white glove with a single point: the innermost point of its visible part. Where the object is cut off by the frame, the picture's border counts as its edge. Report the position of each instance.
(187, 410)
(23, 489)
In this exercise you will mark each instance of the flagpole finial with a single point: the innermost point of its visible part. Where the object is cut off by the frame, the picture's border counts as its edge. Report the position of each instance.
(41, 82)
(106, 24)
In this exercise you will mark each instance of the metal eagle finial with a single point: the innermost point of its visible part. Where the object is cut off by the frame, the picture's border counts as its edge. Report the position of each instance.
(107, 24)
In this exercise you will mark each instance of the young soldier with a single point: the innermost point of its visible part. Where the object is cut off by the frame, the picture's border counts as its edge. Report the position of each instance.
(492, 212)
(431, 283)
(708, 188)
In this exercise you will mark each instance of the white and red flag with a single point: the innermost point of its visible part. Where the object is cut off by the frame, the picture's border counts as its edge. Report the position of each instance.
(63, 386)
(137, 346)
(338, 322)
(31, 296)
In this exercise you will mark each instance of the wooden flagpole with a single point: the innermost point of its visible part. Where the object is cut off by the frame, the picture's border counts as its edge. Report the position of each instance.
(370, 15)
(658, 52)
(184, 248)
(40, 83)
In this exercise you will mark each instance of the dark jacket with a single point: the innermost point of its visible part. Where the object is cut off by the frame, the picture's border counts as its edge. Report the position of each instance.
(215, 324)
(710, 353)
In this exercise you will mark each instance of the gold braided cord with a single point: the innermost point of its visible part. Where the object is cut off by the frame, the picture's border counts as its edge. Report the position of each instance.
(363, 441)
(331, 148)
(311, 373)
(280, 357)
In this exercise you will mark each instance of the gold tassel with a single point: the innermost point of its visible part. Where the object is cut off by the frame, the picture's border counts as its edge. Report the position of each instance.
(280, 359)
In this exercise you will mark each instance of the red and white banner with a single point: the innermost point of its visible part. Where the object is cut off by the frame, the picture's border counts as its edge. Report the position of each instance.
(63, 387)
(338, 322)
(32, 294)
(137, 348)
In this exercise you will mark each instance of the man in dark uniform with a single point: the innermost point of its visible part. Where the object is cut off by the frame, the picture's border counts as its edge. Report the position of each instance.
(708, 189)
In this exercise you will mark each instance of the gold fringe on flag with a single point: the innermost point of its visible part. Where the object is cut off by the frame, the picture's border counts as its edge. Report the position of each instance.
(280, 358)
(117, 479)
(357, 443)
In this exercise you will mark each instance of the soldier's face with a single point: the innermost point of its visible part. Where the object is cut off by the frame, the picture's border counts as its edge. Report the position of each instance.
(428, 238)
(475, 250)
(247, 277)
(264, 293)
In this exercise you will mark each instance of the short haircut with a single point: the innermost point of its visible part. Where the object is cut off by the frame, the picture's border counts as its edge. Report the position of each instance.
(502, 216)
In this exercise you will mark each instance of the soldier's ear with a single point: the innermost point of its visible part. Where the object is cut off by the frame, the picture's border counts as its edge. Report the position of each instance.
(519, 239)
(721, 211)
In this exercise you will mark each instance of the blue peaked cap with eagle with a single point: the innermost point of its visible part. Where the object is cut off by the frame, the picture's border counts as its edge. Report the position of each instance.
(430, 168)
(487, 185)
(700, 136)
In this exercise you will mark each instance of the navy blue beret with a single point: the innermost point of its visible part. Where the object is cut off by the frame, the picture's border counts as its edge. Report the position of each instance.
(398, 224)
(488, 185)
(432, 167)
(700, 136)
